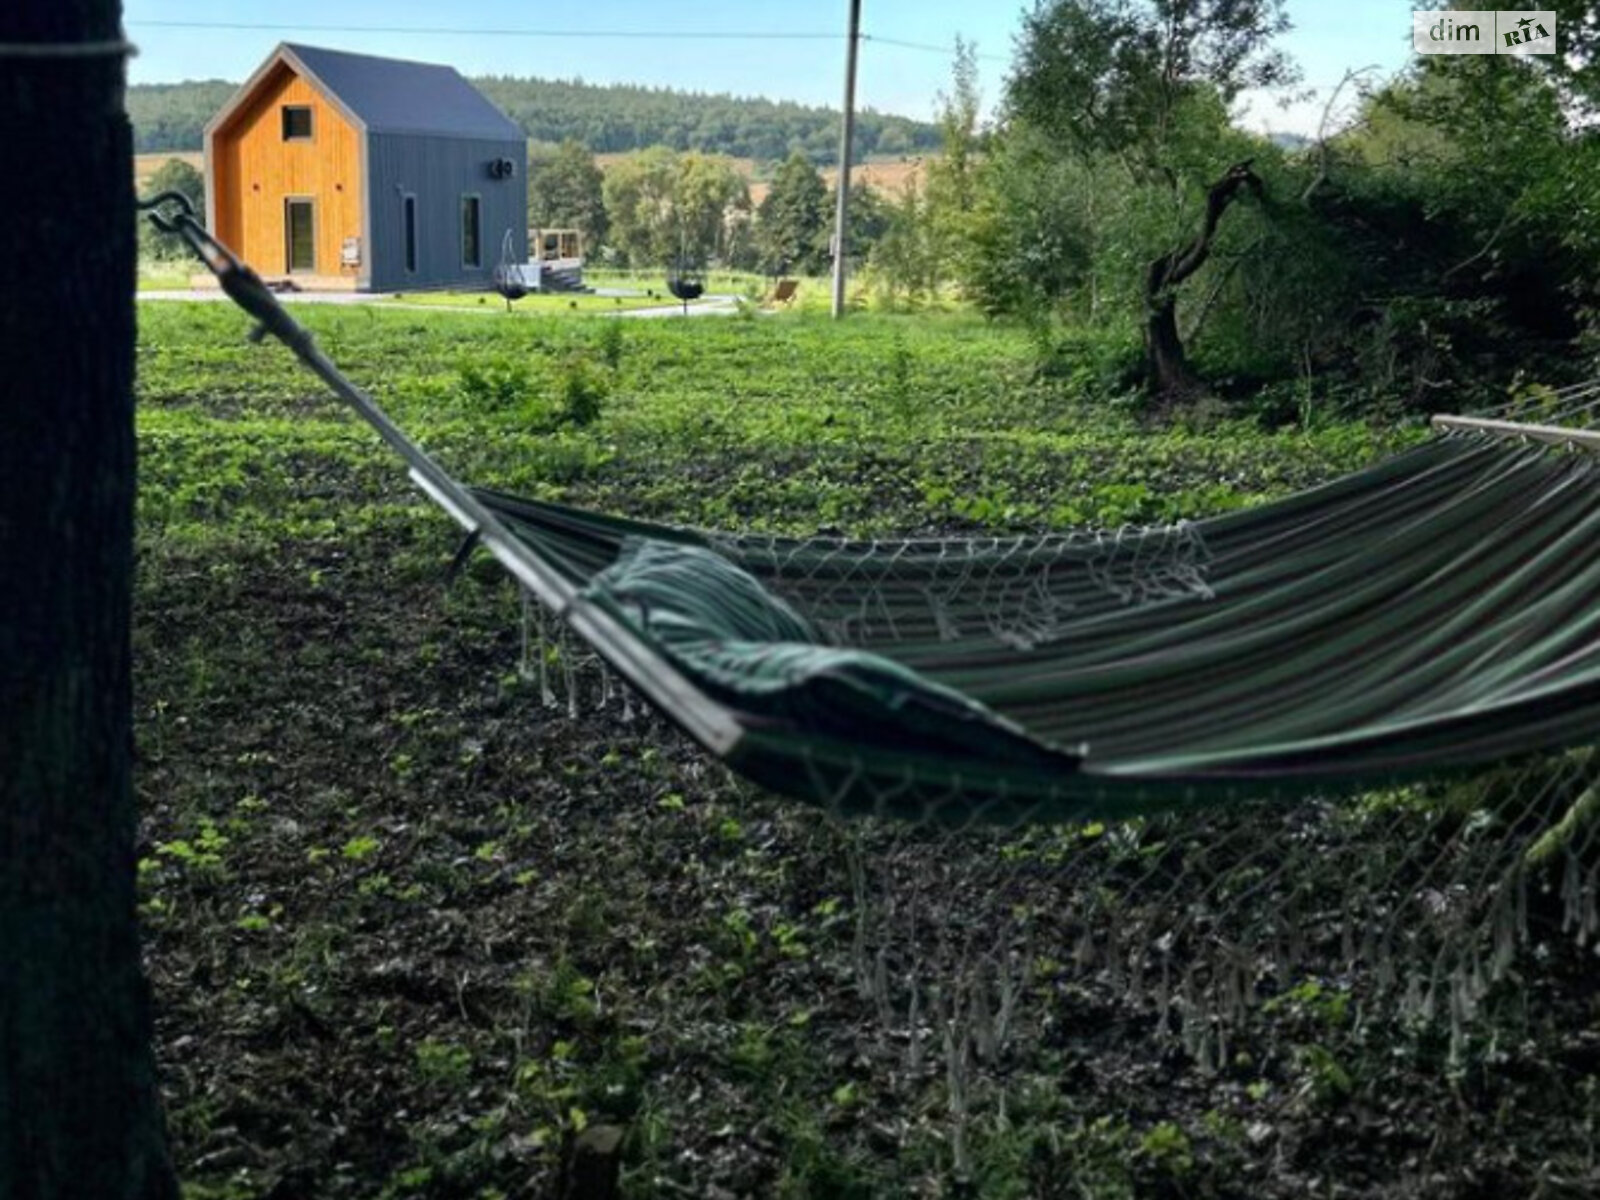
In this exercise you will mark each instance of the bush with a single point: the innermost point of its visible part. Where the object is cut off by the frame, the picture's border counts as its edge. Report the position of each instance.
(497, 384)
(583, 392)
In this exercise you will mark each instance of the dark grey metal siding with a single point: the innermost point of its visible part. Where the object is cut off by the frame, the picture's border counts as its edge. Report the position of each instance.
(438, 171)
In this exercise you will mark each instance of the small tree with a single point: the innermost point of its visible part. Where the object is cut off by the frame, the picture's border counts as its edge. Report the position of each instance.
(905, 258)
(709, 197)
(952, 187)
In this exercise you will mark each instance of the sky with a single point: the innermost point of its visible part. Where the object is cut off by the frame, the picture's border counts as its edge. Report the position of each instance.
(789, 51)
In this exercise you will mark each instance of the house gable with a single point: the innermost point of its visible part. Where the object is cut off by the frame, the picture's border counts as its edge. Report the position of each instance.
(257, 162)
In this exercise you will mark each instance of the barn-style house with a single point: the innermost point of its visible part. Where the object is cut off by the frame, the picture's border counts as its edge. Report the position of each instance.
(337, 170)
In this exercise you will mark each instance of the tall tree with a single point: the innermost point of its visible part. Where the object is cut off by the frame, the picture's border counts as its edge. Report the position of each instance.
(667, 208)
(565, 189)
(79, 1113)
(1142, 86)
(638, 196)
(709, 197)
(951, 192)
(792, 219)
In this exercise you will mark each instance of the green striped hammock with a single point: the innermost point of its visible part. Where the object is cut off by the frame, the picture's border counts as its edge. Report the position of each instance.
(1432, 612)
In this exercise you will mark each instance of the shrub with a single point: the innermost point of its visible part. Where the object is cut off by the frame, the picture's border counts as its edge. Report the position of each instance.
(583, 392)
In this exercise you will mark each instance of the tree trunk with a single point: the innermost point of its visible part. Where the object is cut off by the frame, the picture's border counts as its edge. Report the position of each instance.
(1166, 362)
(79, 1109)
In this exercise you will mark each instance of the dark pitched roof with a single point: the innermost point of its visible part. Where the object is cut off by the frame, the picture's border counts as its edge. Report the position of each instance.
(389, 95)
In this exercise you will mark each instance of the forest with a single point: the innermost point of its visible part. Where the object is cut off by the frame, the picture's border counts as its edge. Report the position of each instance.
(606, 118)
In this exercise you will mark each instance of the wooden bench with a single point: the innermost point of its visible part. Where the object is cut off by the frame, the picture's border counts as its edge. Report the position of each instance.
(784, 292)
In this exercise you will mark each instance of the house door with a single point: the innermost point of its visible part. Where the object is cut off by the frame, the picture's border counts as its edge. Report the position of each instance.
(301, 239)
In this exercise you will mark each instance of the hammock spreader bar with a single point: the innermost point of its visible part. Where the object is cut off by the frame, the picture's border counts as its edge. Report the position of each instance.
(665, 687)
(1556, 435)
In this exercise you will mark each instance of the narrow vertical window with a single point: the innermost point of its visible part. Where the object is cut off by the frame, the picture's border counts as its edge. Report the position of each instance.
(471, 242)
(300, 235)
(409, 218)
(297, 122)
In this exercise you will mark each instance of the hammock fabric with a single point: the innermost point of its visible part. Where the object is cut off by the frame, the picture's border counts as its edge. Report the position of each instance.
(1435, 611)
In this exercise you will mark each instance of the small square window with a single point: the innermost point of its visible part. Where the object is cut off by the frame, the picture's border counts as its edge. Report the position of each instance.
(296, 123)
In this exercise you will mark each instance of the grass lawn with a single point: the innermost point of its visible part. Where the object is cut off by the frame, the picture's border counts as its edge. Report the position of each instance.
(728, 283)
(163, 276)
(536, 303)
(411, 930)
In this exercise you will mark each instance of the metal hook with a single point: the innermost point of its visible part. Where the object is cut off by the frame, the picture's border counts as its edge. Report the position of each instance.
(160, 220)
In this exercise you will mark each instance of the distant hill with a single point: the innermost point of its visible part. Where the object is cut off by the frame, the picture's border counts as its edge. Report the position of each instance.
(172, 116)
(609, 119)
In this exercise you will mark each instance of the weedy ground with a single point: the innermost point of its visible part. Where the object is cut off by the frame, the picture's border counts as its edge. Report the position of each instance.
(410, 929)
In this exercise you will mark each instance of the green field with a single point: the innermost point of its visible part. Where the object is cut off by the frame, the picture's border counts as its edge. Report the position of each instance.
(411, 930)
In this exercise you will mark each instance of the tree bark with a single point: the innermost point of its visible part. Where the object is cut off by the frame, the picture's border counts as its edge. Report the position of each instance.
(1166, 361)
(79, 1109)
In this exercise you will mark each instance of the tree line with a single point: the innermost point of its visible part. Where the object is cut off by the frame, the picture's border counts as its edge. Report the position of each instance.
(608, 119)
(1436, 244)
(661, 208)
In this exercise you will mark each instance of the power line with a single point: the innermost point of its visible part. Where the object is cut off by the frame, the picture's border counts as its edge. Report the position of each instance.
(678, 35)
(901, 44)
(434, 30)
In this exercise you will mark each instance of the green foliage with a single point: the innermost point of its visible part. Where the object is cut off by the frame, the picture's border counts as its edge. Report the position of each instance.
(929, 232)
(173, 116)
(583, 393)
(624, 117)
(1107, 78)
(1424, 254)
(497, 383)
(793, 220)
(174, 175)
(565, 190)
(1167, 1147)
(444, 1063)
(880, 423)
(667, 209)
(952, 177)
(611, 344)
(1033, 233)
(904, 260)
(607, 119)
(1123, 141)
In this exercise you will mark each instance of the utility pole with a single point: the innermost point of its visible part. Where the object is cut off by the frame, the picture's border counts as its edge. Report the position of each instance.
(847, 132)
